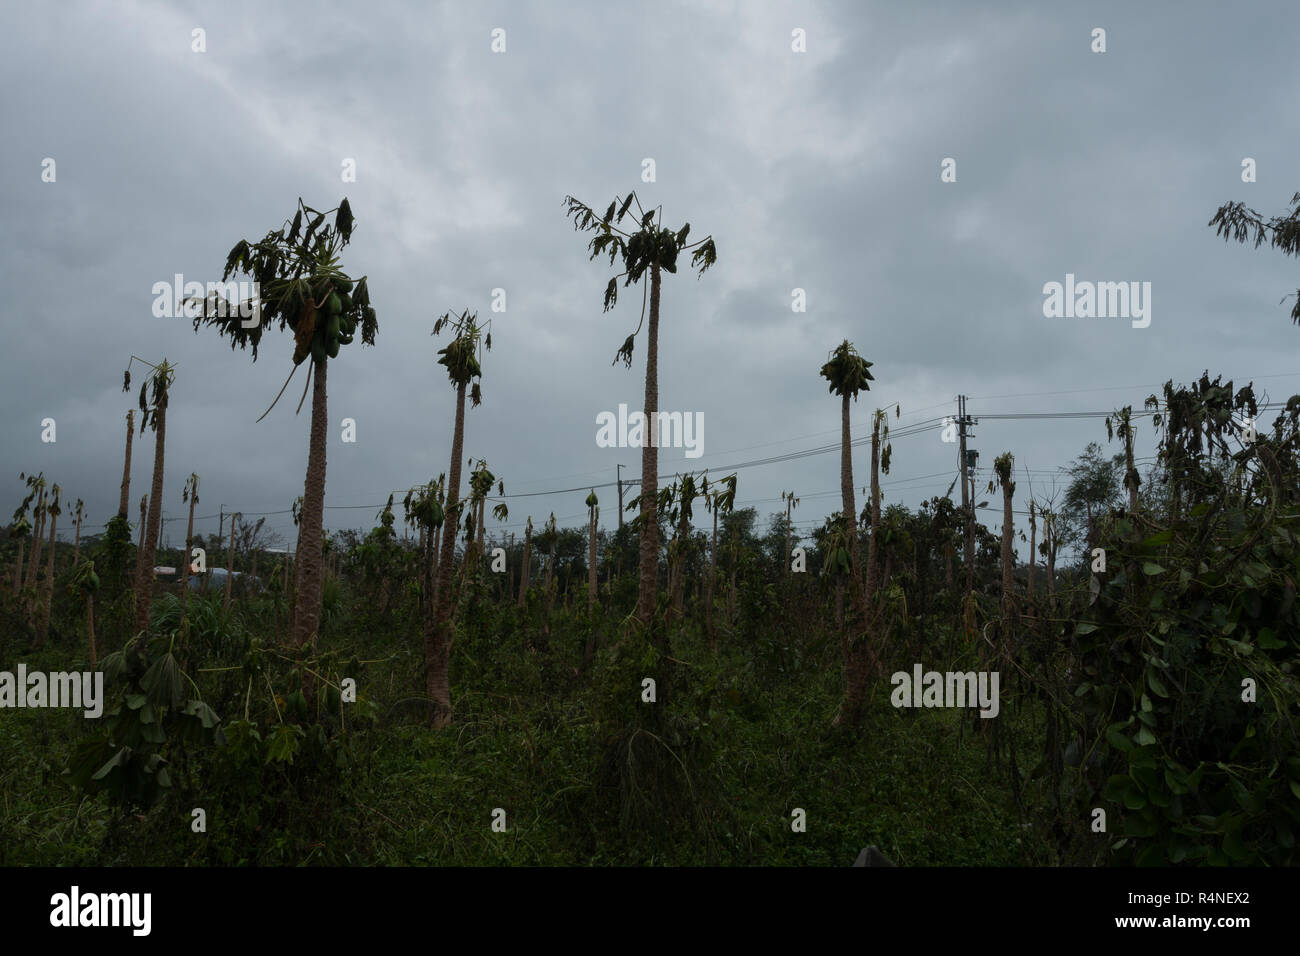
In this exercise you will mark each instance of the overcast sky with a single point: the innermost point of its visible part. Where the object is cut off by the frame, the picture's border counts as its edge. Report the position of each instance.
(816, 170)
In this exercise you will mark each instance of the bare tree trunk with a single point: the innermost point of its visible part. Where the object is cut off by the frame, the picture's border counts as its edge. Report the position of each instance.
(126, 468)
(708, 597)
(1130, 471)
(139, 548)
(873, 545)
(18, 568)
(731, 595)
(438, 641)
(591, 564)
(855, 670)
(435, 549)
(649, 543)
(481, 548)
(76, 542)
(307, 607)
(189, 548)
(683, 538)
(90, 624)
(1008, 553)
(38, 535)
(1033, 543)
(230, 566)
(527, 562)
(1051, 564)
(786, 558)
(144, 592)
(43, 631)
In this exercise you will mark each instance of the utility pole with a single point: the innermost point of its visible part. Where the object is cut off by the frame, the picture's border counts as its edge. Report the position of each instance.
(963, 462)
(618, 471)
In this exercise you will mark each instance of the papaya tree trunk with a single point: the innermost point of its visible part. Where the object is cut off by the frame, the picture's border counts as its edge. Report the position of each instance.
(144, 592)
(123, 503)
(90, 625)
(526, 564)
(148, 552)
(37, 536)
(43, 631)
(859, 659)
(307, 607)
(591, 565)
(438, 640)
(1033, 544)
(139, 548)
(1008, 553)
(708, 597)
(18, 567)
(649, 543)
(230, 567)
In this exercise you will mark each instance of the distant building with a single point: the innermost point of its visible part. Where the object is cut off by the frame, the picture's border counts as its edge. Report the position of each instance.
(217, 579)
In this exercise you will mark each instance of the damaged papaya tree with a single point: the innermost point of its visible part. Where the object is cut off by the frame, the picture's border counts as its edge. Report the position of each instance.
(300, 284)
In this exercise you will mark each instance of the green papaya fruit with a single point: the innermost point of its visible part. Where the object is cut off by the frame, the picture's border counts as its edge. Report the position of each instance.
(347, 302)
(332, 350)
(334, 305)
(343, 285)
(345, 338)
(332, 327)
(317, 351)
(347, 323)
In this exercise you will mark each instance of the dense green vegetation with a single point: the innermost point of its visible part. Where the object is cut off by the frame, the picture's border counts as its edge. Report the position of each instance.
(711, 695)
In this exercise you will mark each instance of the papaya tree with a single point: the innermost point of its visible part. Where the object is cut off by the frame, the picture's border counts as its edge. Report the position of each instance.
(123, 502)
(139, 548)
(461, 358)
(86, 581)
(78, 512)
(719, 498)
(230, 565)
(36, 486)
(647, 248)
(20, 529)
(880, 460)
(593, 514)
(480, 486)
(527, 561)
(423, 508)
(1121, 424)
(153, 413)
(686, 492)
(190, 493)
(301, 286)
(791, 502)
(1003, 468)
(848, 375)
(47, 603)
